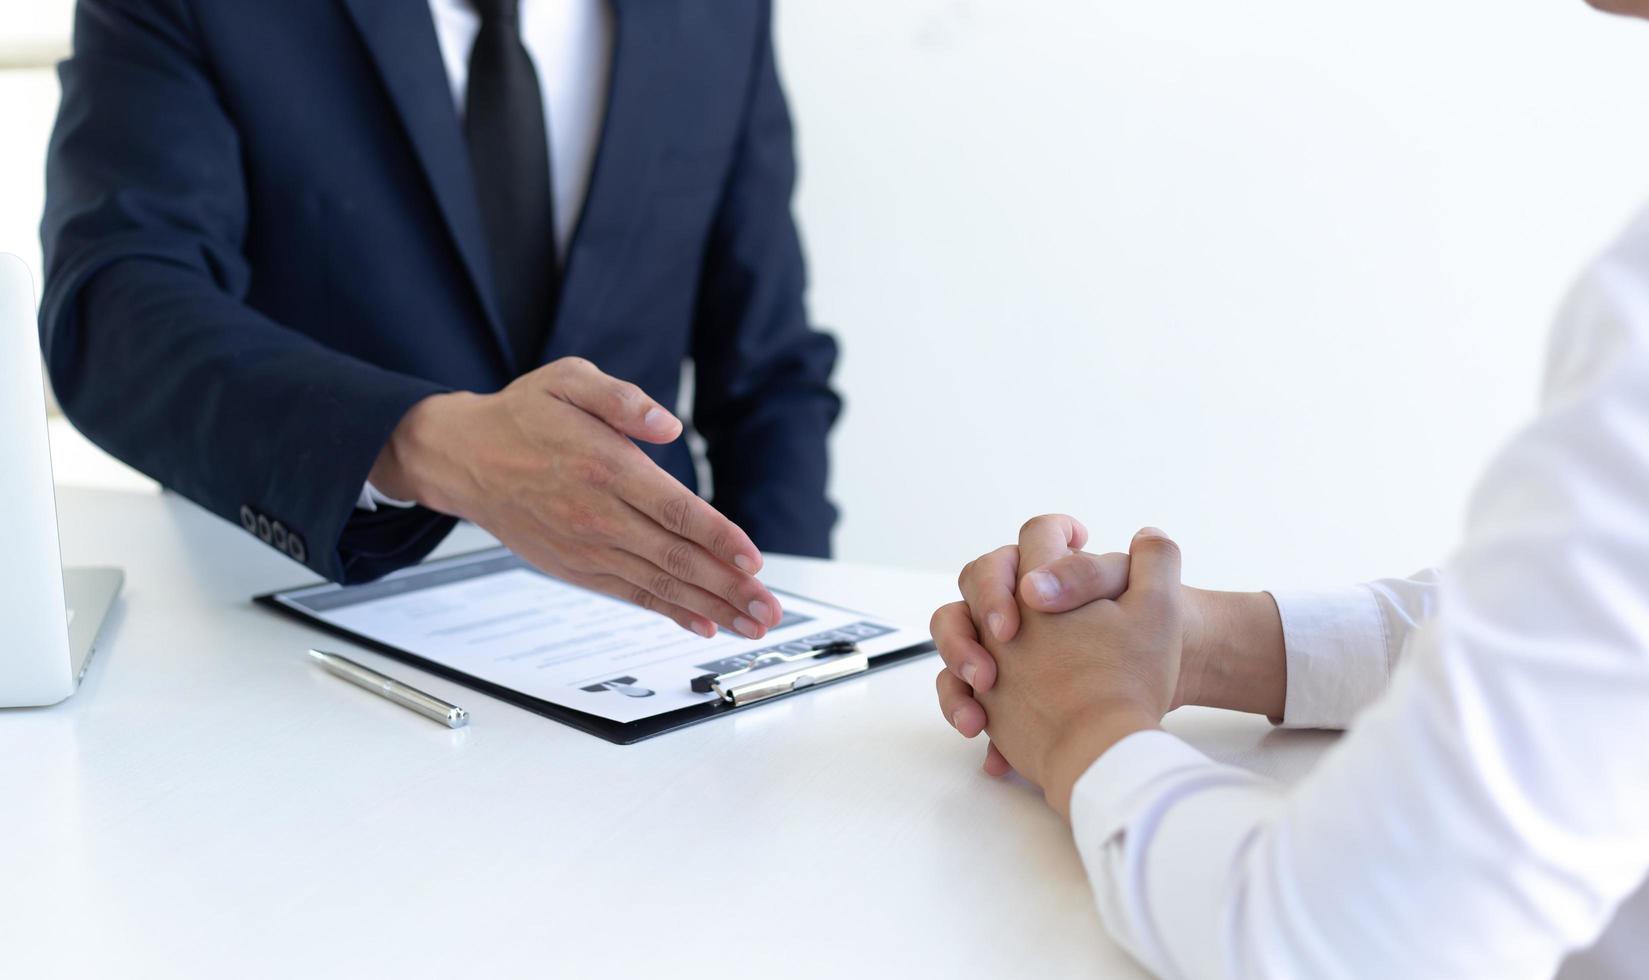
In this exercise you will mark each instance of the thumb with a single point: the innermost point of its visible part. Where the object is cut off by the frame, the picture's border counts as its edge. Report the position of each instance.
(1153, 568)
(1074, 581)
(620, 404)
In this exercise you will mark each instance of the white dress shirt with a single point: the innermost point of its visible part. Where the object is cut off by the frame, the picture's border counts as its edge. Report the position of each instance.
(1489, 810)
(571, 46)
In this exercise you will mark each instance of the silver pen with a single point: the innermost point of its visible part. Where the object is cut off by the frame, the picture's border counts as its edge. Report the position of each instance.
(405, 695)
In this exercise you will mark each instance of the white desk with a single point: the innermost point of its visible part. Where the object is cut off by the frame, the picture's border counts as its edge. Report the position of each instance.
(210, 804)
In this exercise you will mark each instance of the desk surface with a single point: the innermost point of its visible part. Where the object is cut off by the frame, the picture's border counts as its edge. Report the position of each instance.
(211, 804)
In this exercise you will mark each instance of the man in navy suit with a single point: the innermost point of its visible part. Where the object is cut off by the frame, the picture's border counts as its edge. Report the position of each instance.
(343, 271)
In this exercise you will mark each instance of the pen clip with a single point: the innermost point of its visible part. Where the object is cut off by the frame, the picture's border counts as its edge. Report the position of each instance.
(815, 669)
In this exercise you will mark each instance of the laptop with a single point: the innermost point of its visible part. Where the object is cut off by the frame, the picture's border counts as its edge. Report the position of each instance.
(49, 616)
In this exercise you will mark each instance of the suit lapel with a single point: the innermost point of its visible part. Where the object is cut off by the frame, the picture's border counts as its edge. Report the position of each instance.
(620, 180)
(401, 40)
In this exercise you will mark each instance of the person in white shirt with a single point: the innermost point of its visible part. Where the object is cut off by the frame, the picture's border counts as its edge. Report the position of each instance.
(1488, 813)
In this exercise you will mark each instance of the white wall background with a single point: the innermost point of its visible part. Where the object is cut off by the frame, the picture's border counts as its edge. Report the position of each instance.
(28, 99)
(33, 34)
(1271, 274)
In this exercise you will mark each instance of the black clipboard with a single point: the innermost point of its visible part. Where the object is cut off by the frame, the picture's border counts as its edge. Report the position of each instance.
(619, 733)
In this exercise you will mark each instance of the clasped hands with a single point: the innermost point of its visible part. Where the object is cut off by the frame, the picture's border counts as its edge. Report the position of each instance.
(1058, 654)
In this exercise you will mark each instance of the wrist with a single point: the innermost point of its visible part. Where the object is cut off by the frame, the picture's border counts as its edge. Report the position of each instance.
(1233, 654)
(412, 464)
(1196, 606)
(1081, 743)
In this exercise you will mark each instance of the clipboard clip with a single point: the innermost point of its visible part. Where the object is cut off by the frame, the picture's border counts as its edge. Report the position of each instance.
(849, 659)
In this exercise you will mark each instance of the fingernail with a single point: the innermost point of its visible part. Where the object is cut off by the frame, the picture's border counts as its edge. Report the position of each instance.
(747, 628)
(997, 624)
(968, 671)
(956, 720)
(657, 419)
(705, 628)
(1151, 532)
(745, 564)
(760, 612)
(1044, 585)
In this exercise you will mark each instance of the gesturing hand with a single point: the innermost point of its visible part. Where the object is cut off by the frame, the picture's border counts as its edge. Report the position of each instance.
(547, 466)
(1069, 685)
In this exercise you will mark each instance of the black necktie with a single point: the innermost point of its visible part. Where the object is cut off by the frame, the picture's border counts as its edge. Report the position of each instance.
(510, 153)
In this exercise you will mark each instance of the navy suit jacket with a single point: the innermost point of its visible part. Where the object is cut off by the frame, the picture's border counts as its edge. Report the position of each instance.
(263, 246)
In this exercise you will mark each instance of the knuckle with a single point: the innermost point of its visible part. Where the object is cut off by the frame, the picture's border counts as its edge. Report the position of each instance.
(1080, 576)
(721, 543)
(679, 560)
(595, 470)
(584, 521)
(945, 619)
(676, 513)
(574, 365)
(643, 598)
(665, 586)
(1166, 546)
(1039, 522)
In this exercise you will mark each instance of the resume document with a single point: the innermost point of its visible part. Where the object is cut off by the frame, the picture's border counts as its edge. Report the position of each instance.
(496, 618)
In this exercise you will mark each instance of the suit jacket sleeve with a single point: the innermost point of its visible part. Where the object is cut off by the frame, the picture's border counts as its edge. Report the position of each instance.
(152, 349)
(763, 400)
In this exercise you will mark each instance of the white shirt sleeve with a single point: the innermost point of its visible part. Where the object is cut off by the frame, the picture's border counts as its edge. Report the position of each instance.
(1491, 811)
(372, 498)
(1341, 644)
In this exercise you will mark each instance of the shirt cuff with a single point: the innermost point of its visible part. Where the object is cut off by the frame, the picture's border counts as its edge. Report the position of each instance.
(1337, 652)
(1108, 794)
(372, 498)
(1158, 824)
